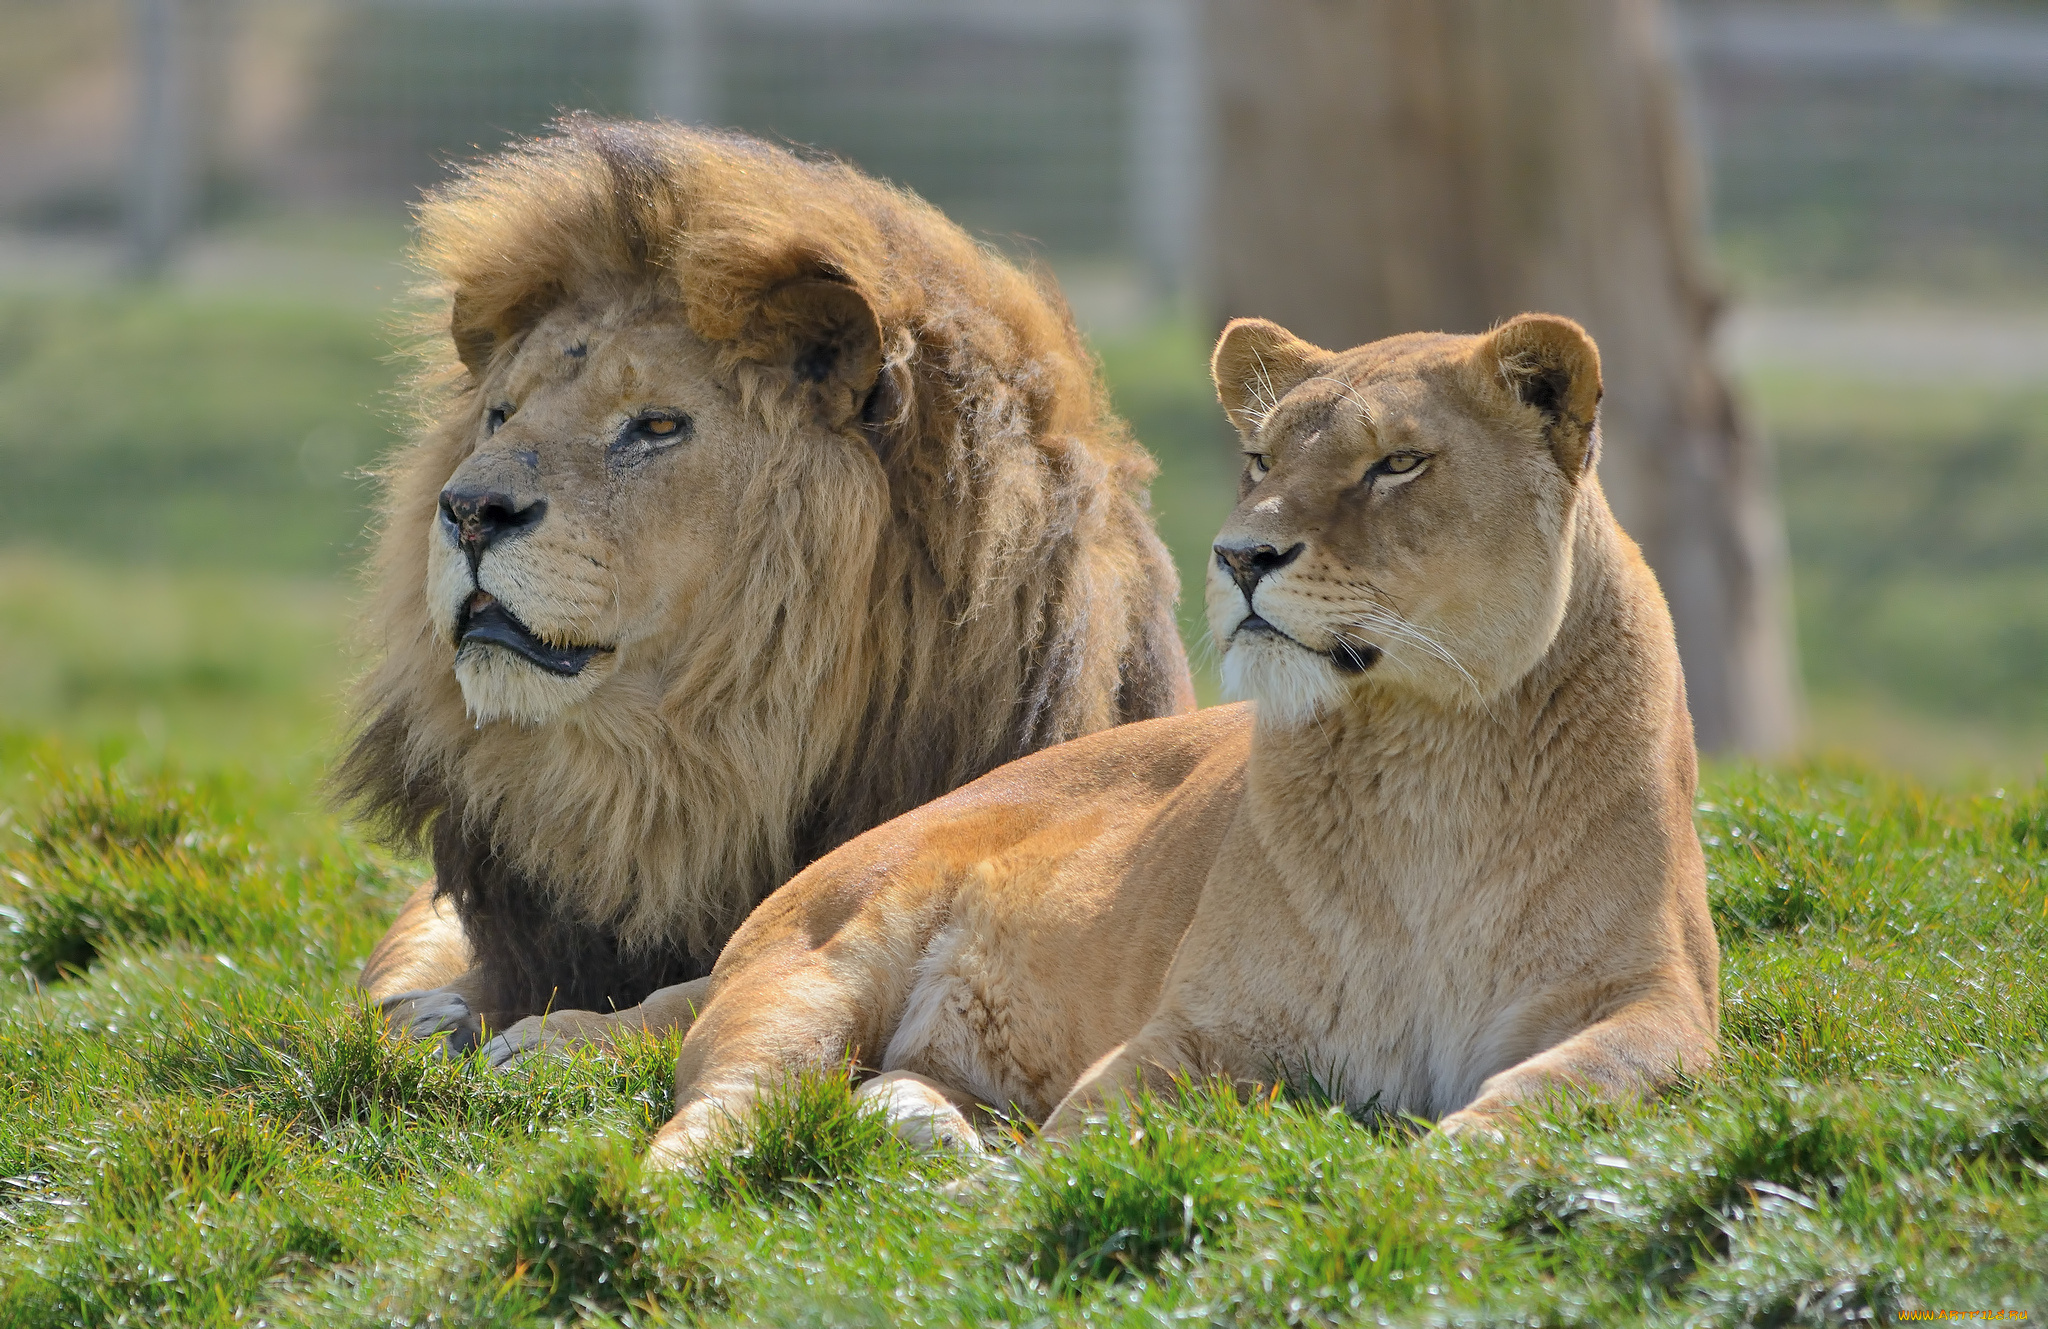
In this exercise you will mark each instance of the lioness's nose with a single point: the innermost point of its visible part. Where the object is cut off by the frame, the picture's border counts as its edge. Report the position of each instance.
(1248, 563)
(479, 515)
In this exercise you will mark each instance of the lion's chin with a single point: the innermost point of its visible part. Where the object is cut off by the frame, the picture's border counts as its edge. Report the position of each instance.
(1291, 683)
(498, 685)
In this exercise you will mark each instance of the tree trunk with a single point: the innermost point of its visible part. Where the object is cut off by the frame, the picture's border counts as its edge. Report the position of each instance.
(1389, 166)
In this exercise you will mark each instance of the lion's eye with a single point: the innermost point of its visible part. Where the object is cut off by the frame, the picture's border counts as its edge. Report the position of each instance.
(654, 430)
(494, 418)
(1260, 464)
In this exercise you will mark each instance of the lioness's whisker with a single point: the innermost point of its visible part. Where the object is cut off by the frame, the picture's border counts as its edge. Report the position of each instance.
(1269, 398)
(1374, 616)
(1364, 410)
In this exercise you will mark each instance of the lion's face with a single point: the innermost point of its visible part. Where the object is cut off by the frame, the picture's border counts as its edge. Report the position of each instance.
(604, 489)
(1403, 512)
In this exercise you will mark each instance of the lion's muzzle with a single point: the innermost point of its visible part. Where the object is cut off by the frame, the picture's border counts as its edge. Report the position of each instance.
(485, 621)
(478, 516)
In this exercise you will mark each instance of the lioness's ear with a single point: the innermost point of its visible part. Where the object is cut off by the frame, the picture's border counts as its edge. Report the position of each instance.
(1550, 365)
(826, 335)
(1257, 362)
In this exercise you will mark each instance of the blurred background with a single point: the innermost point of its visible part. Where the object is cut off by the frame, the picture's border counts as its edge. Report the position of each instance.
(1812, 240)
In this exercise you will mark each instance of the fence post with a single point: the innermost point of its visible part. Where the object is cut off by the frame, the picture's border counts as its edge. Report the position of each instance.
(161, 185)
(1168, 144)
(678, 67)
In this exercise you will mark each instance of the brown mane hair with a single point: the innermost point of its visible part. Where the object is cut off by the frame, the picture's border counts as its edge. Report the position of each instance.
(849, 667)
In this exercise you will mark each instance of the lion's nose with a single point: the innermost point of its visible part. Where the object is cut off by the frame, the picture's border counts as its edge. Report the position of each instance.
(1248, 563)
(479, 516)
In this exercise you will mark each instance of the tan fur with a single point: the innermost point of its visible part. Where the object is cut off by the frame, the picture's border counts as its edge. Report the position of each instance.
(1449, 879)
(903, 542)
(424, 948)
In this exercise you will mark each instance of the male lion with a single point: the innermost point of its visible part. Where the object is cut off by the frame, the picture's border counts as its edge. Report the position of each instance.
(1445, 866)
(754, 504)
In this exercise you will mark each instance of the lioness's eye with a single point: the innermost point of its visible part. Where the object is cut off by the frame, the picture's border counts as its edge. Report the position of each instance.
(1260, 463)
(494, 418)
(1400, 463)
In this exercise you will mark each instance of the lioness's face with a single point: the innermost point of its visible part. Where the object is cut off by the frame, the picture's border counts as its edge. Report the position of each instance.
(600, 493)
(1403, 512)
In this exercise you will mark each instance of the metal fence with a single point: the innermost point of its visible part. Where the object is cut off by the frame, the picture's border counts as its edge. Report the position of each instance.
(1847, 146)
(1066, 126)
(1857, 148)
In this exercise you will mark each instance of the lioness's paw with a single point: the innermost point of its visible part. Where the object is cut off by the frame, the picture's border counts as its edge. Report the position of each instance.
(429, 1012)
(921, 1115)
(1472, 1125)
(685, 1147)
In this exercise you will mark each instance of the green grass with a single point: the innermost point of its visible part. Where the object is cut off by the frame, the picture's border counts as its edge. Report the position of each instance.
(202, 1128)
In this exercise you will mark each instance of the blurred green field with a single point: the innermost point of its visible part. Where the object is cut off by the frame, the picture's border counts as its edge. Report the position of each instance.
(185, 500)
(190, 431)
(1918, 516)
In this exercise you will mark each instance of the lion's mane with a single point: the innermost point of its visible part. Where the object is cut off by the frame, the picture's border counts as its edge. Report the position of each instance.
(849, 665)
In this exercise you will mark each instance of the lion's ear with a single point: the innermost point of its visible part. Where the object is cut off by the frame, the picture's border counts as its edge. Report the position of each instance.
(1257, 362)
(826, 335)
(1550, 365)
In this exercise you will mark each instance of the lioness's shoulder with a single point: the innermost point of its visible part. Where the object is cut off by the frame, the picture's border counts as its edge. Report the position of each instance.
(1119, 768)
(1144, 755)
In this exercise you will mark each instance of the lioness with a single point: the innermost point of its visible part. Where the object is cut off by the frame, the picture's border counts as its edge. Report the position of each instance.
(1444, 863)
(753, 504)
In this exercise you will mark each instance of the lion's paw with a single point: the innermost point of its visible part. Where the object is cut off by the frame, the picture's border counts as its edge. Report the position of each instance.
(429, 1012)
(547, 1035)
(505, 1050)
(985, 1172)
(535, 1037)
